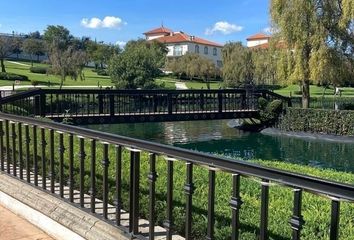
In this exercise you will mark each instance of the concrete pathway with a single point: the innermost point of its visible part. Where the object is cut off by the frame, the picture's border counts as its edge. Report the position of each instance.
(9, 88)
(181, 86)
(22, 64)
(13, 227)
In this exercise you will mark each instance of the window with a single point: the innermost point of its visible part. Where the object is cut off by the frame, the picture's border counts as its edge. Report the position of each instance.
(177, 51)
(215, 51)
(205, 50)
(196, 48)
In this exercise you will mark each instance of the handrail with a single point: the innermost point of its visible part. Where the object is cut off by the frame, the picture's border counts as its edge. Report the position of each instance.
(20, 95)
(312, 184)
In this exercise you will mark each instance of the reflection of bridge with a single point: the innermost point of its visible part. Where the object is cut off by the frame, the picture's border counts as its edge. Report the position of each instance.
(115, 106)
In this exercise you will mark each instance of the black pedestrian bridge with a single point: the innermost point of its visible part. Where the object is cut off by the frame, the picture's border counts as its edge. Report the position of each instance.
(121, 106)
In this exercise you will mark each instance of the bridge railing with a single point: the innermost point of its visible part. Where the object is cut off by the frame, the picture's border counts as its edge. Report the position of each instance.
(110, 167)
(87, 102)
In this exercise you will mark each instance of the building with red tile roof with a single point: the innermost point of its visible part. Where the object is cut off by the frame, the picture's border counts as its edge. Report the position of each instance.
(180, 43)
(259, 40)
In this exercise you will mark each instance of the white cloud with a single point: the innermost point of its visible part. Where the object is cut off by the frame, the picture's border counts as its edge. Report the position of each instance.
(224, 28)
(121, 44)
(270, 30)
(107, 22)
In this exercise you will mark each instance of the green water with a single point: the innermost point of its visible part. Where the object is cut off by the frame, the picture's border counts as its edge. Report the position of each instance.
(217, 137)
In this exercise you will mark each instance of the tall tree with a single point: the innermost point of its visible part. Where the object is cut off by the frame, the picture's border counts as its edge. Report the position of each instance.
(137, 65)
(58, 35)
(34, 47)
(101, 53)
(310, 28)
(7, 45)
(65, 53)
(238, 66)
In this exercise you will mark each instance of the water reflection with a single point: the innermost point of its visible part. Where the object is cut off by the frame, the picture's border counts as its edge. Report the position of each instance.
(216, 137)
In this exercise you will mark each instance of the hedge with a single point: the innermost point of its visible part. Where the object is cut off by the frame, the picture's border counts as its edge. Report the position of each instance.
(12, 76)
(40, 70)
(318, 121)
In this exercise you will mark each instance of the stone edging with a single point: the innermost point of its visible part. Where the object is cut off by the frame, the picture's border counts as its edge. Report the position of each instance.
(57, 218)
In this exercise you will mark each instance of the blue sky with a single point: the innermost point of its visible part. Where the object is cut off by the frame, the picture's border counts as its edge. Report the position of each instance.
(122, 20)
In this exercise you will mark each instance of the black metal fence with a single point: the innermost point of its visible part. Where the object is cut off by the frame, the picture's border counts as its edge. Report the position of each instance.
(70, 157)
(337, 103)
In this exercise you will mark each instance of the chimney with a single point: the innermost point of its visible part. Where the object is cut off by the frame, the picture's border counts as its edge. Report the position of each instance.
(191, 38)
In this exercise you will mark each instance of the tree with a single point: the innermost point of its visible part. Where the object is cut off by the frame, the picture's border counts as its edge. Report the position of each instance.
(34, 47)
(310, 29)
(58, 35)
(238, 66)
(137, 65)
(65, 63)
(65, 53)
(207, 70)
(17, 46)
(101, 53)
(193, 65)
(7, 45)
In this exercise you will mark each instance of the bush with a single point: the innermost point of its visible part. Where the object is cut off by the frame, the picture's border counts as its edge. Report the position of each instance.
(34, 82)
(348, 106)
(318, 121)
(102, 72)
(40, 70)
(12, 76)
(262, 102)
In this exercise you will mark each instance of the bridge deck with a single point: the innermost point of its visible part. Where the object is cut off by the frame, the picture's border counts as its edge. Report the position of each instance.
(85, 118)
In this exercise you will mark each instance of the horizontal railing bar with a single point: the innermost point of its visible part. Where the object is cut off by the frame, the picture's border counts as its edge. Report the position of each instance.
(313, 184)
(20, 95)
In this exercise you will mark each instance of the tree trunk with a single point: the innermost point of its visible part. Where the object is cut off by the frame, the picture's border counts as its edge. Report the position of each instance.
(2, 65)
(31, 60)
(306, 94)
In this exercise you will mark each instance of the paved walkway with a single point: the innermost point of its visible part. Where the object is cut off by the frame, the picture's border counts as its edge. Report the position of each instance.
(9, 88)
(181, 86)
(13, 227)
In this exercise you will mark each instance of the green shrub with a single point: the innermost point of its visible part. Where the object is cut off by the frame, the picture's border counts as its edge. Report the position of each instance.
(318, 121)
(39, 70)
(102, 72)
(12, 76)
(34, 82)
(348, 106)
(262, 102)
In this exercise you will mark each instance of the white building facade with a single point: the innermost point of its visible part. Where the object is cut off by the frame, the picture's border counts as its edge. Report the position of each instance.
(259, 40)
(180, 43)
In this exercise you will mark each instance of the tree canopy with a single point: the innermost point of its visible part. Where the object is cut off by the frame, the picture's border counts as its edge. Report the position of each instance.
(7, 45)
(138, 64)
(192, 65)
(238, 66)
(319, 35)
(34, 46)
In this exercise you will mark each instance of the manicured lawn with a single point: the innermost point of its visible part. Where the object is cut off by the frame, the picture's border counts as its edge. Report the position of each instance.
(92, 79)
(170, 83)
(315, 91)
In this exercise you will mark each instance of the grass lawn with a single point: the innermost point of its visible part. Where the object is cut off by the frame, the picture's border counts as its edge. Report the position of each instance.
(315, 91)
(170, 83)
(92, 79)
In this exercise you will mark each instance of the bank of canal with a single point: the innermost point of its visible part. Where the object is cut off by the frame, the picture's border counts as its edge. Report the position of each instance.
(217, 137)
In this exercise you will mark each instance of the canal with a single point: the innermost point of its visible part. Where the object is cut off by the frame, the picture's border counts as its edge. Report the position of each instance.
(218, 137)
